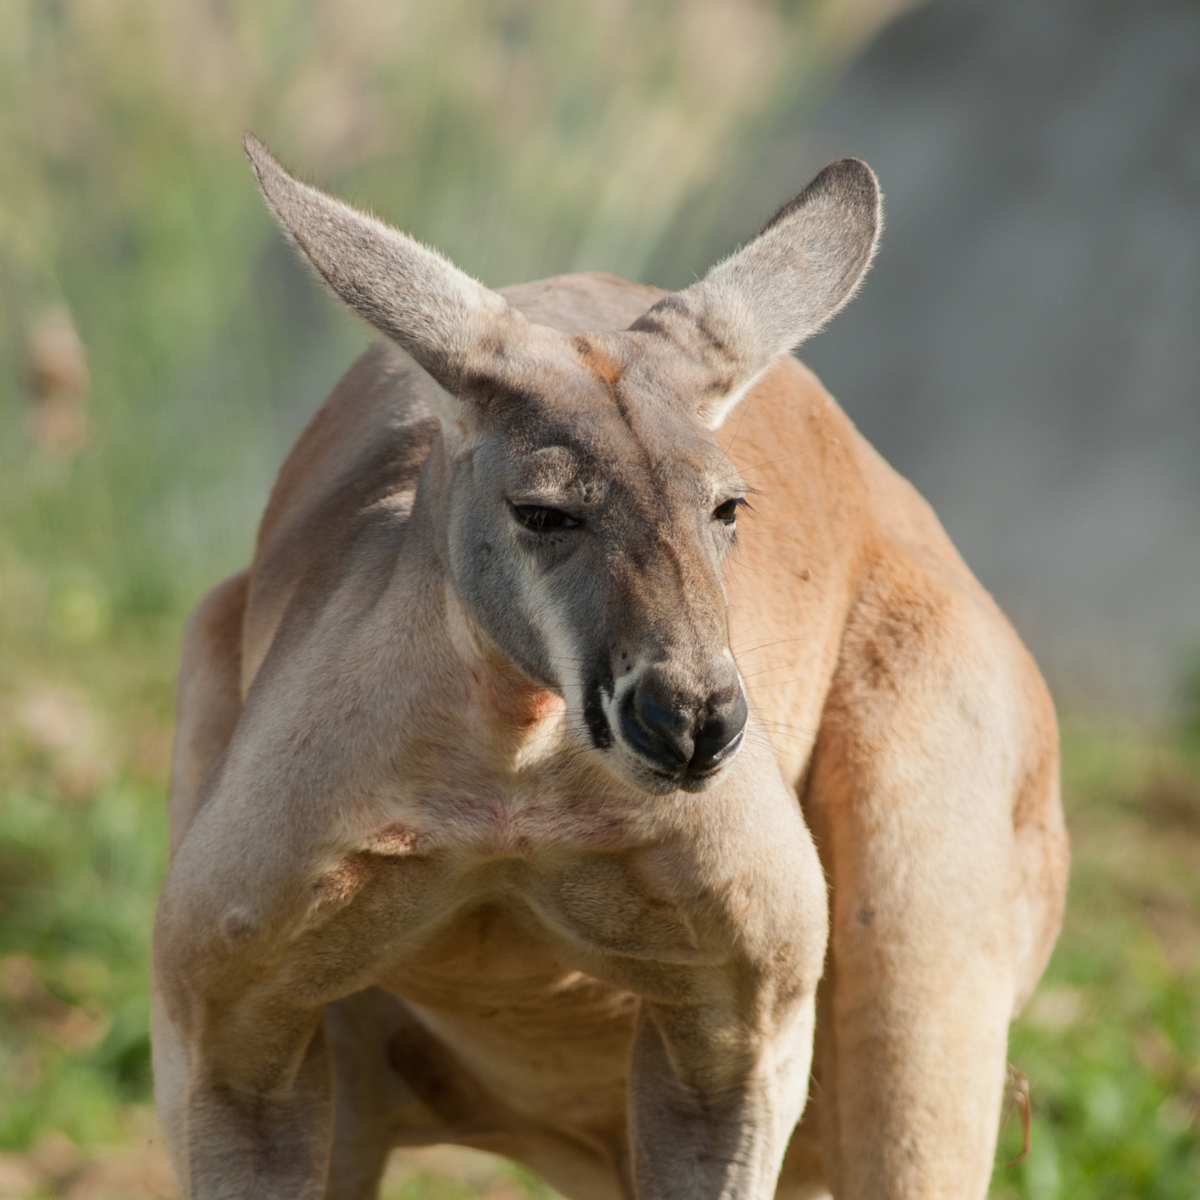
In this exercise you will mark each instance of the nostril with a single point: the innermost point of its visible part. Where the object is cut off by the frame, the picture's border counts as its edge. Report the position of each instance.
(658, 730)
(720, 736)
(668, 724)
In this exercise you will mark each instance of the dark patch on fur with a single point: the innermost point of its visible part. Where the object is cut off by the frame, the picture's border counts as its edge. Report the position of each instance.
(705, 329)
(652, 320)
(593, 708)
(849, 178)
(438, 1078)
(649, 324)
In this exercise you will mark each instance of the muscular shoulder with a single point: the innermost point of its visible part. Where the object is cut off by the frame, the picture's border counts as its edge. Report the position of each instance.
(344, 489)
(931, 674)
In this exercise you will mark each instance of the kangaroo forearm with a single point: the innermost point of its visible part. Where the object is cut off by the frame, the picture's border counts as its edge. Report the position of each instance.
(695, 1141)
(248, 1145)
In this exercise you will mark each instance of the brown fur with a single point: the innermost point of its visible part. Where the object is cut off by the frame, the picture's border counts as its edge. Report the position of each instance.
(399, 864)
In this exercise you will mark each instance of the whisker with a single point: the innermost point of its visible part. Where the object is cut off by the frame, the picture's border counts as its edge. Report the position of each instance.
(772, 461)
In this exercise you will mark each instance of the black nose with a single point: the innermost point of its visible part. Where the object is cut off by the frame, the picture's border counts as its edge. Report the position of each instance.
(683, 738)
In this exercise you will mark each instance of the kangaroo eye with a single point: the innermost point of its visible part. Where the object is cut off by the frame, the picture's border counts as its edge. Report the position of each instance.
(727, 513)
(537, 518)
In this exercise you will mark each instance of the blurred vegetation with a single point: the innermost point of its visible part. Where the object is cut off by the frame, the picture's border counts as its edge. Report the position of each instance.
(523, 138)
(160, 347)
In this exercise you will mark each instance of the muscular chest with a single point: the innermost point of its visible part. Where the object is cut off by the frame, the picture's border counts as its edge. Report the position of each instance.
(477, 885)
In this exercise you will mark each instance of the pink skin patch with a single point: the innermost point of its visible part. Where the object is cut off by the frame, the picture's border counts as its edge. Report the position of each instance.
(540, 705)
(504, 694)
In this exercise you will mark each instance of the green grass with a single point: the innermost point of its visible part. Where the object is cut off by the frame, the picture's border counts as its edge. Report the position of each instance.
(82, 839)
(1111, 1040)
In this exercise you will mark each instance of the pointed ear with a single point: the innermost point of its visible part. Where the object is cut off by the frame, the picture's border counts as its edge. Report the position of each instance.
(777, 291)
(458, 330)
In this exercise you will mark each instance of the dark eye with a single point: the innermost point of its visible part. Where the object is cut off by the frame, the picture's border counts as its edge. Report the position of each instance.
(537, 518)
(727, 513)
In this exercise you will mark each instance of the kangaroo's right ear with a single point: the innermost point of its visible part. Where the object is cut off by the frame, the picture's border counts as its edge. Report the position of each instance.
(780, 289)
(461, 332)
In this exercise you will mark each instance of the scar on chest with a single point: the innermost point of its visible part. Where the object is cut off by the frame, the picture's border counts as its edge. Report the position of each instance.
(396, 840)
(343, 881)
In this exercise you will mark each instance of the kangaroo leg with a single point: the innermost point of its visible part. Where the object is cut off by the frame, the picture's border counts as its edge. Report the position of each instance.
(244, 960)
(720, 1066)
(913, 1017)
(241, 1028)
(706, 1120)
(933, 800)
(372, 1098)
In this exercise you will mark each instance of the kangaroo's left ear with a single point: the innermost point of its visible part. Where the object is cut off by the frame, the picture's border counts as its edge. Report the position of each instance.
(777, 291)
(468, 337)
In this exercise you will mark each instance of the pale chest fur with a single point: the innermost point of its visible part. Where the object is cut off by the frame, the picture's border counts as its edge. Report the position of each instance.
(498, 875)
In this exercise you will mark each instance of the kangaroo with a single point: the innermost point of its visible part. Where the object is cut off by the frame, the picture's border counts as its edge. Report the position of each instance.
(601, 726)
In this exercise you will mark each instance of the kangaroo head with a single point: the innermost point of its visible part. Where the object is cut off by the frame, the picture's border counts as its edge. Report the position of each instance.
(584, 506)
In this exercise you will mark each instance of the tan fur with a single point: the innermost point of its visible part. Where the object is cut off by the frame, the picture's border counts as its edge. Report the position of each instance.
(408, 902)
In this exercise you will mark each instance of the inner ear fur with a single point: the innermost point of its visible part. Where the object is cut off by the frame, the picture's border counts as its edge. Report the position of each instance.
(778, 290)
(463, 333)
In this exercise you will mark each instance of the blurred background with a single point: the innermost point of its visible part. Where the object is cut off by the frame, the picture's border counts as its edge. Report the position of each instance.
(1027, 351)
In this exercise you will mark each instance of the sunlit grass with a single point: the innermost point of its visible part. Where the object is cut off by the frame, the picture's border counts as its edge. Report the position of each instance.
(1111, 1040)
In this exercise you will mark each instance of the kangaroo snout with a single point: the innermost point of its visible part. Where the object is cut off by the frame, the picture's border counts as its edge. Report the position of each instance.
(684, 736)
